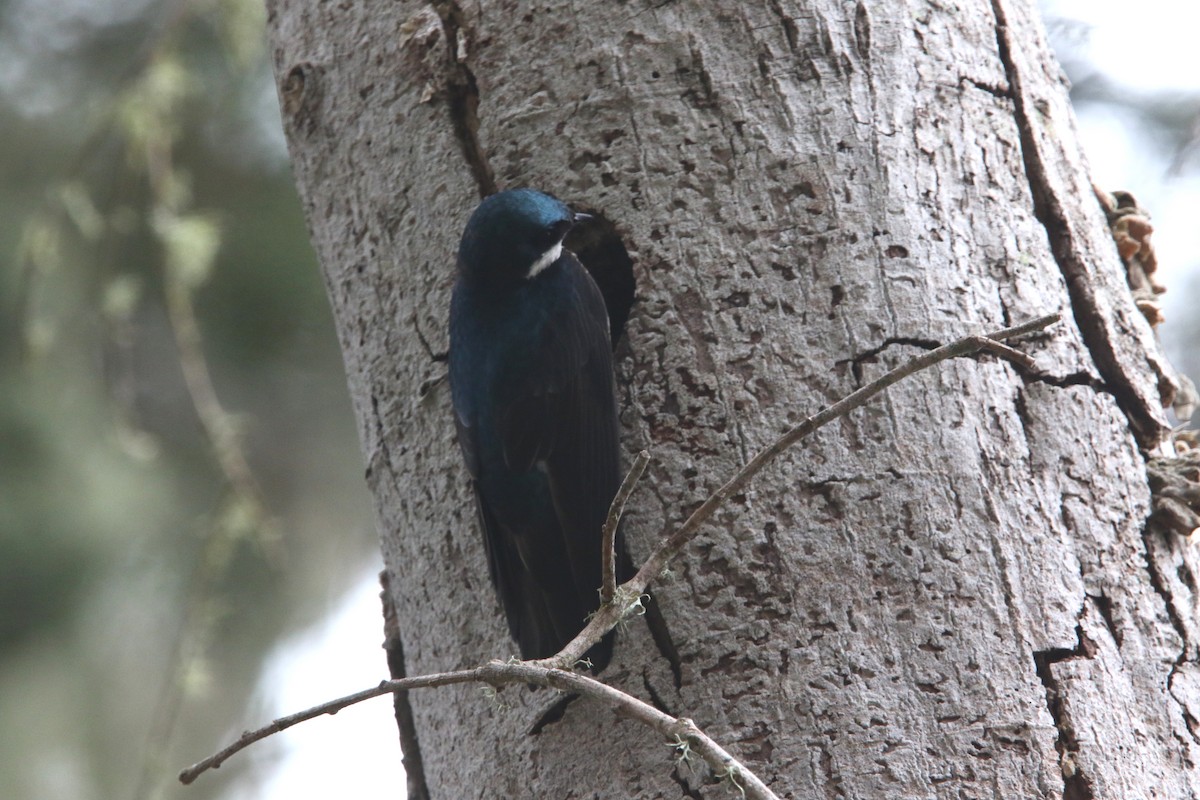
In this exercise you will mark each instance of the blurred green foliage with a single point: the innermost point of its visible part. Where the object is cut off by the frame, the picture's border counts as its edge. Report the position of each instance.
(180, 482)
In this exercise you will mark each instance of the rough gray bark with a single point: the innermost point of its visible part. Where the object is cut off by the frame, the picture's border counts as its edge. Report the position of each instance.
(950, 594)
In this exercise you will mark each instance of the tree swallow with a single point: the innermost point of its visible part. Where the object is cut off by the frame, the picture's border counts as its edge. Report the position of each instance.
(534, 405)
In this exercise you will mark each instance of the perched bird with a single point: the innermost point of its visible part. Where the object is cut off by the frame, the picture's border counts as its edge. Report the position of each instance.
(534, 404)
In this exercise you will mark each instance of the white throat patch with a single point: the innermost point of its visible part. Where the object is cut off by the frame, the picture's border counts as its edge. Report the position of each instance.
(548, 258)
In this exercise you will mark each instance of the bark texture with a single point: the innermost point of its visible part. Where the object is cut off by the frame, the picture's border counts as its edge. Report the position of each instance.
(950, 594)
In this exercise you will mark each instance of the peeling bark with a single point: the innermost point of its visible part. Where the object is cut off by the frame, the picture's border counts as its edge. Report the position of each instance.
(1130, 365)
(954, 592)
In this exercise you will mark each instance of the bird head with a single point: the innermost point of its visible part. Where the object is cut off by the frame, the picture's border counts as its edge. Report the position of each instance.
(514, 235)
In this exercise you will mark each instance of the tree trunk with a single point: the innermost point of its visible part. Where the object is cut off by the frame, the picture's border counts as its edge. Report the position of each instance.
(951, 593)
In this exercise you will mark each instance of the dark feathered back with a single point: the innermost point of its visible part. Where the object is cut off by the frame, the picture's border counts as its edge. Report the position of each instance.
(532, 384)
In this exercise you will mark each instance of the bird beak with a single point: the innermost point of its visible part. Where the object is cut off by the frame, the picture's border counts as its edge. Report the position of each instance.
(578, 217)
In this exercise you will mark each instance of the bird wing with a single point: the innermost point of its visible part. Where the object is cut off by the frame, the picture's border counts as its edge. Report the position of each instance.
(556, 425)
(563, 421)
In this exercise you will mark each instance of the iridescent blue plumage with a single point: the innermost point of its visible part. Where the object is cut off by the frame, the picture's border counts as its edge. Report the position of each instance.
(532, 386)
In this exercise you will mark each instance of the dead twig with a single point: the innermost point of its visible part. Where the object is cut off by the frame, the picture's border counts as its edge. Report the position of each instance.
(608, 616)
(608, 538)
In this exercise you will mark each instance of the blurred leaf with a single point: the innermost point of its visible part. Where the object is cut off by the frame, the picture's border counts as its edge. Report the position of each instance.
(137, 444)
(41, 242)
(121, 297)
(197, 678)
(149, 112)
(190, 243)
(81, 210)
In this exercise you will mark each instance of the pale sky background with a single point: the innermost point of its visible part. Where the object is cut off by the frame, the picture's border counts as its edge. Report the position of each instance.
(353, 754)
(1149, 48)
(1146, 47)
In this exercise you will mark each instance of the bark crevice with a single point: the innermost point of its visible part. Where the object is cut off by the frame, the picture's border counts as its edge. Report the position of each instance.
(1076, 785)
(1159, 585)
(857, 361)
(410, 747)
(462, 92)
(833, 782)
(688, 791)
(656, 699)
(1051, 212)
(1079, 378)
(995, 90)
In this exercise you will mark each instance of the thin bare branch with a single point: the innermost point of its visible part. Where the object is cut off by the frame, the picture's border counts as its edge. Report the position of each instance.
(608, 616)
(608, 539)
(500, 673)
(1032, 326)
(332, 707)
(1003, 351)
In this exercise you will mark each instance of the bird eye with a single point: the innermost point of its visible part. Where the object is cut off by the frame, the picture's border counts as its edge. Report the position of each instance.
(553, 233)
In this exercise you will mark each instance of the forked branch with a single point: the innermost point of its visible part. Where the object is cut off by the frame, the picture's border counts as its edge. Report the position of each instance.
(608, 616)
(608, 537)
